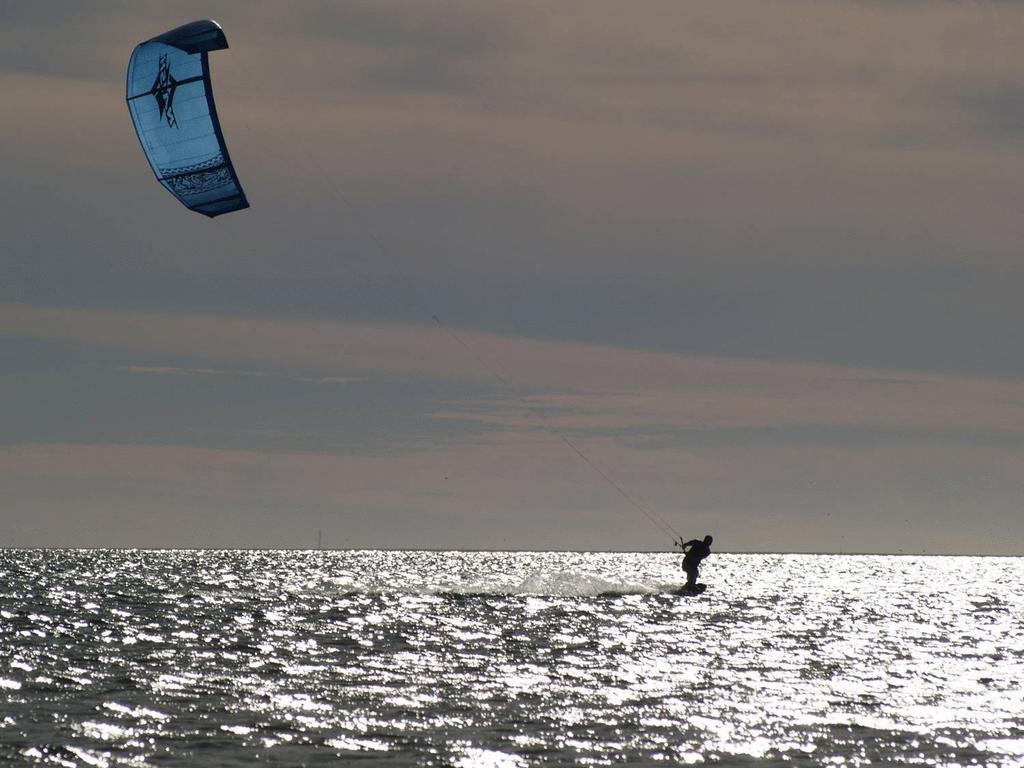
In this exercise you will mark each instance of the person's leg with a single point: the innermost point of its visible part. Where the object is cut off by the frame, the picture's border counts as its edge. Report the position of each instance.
(691, 575)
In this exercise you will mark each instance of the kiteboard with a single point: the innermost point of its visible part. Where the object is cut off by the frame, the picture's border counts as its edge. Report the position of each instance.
(685, 591)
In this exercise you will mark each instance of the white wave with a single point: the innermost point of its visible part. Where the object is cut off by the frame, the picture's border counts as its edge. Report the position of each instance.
(542, 584)
(570, 584)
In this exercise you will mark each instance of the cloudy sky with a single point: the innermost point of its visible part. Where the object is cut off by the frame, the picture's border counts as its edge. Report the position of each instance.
(759, 262)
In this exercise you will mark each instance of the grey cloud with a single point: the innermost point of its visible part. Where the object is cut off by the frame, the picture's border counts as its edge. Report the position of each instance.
(177, 370)
(822, 436)
(808, 182)
(162, 402)
(1001, 110)
(448, 47)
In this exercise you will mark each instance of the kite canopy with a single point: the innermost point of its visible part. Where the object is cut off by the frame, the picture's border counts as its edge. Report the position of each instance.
(171, 103)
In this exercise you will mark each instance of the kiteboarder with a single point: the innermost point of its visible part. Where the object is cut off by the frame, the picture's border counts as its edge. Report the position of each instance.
(694, 551)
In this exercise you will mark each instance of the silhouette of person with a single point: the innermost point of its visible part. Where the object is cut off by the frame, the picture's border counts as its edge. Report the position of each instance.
(694, 551)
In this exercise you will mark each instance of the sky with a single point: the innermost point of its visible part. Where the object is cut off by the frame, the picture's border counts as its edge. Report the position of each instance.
(532, 275)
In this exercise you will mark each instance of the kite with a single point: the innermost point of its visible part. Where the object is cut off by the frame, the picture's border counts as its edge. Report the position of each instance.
(170, 100)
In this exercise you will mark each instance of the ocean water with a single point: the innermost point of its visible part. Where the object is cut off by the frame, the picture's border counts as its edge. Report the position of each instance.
(222, 658)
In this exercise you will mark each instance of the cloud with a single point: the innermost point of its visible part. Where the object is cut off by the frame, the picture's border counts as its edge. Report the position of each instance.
(328, 379)
(523, 492)
(1001, 109)
(804, 185)
(573, 386)
(657, 223)
(765, 454)
(177, 370)
(173, 370)
(849, 108)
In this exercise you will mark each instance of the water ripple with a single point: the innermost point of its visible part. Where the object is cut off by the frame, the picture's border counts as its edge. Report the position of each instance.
(141, 658)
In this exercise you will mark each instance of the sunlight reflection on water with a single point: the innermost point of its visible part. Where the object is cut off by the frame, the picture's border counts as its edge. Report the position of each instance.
(498, 659)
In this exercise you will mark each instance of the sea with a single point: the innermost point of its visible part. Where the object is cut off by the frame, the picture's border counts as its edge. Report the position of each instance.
(504, 659)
